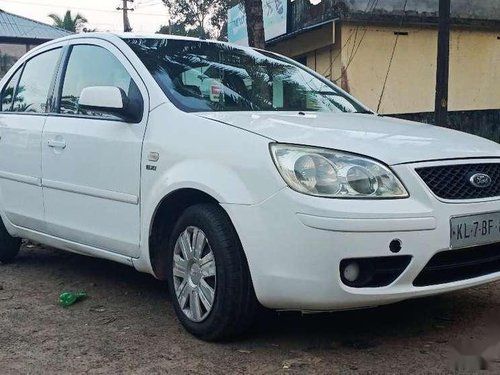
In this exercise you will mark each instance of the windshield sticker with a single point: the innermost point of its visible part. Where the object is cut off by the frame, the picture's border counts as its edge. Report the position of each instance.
(215, 91)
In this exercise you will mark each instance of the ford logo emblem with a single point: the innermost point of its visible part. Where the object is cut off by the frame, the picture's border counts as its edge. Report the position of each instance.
(480, 180)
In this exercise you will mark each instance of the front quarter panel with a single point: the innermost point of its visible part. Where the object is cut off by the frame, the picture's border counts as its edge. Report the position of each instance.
(233, 166)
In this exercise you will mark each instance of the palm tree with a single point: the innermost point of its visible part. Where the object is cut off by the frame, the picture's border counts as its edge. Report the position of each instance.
(67, 22)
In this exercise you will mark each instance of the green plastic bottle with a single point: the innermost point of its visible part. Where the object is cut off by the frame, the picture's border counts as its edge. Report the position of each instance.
(67, 299)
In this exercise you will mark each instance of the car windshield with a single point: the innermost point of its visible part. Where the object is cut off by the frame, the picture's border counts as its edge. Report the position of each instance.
(200, 76)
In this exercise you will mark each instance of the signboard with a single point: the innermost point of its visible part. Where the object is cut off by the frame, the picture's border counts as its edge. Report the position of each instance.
(237, 26)
(275, 17)
(274, 12)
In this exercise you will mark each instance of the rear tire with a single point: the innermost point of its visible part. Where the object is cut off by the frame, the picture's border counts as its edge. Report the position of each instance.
(9, 246)
(225, 282)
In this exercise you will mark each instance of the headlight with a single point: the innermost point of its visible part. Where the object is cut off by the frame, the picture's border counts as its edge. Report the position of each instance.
(335, 174)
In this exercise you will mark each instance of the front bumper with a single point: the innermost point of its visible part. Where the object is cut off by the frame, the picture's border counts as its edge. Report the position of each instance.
(294, 244)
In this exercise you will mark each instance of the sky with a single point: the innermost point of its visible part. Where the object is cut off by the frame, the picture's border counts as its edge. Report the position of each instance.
(148, 15)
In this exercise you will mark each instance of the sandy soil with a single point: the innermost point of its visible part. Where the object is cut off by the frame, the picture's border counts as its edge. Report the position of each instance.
(127, 325)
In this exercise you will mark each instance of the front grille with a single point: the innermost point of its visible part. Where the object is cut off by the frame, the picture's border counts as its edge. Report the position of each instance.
(453, 181)
(456, 265)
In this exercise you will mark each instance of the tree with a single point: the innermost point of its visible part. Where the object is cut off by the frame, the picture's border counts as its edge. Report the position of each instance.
(6, 62)
(195, 14)
(178, 28)
(255, 23)
(219, 18)
(67, 22)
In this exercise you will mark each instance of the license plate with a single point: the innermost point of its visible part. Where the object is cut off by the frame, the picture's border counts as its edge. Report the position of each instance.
(467, 231)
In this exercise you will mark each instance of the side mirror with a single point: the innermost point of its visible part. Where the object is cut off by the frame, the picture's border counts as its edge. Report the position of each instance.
(109, 100)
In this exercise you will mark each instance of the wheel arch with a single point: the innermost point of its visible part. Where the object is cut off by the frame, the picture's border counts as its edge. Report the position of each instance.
(164, 218)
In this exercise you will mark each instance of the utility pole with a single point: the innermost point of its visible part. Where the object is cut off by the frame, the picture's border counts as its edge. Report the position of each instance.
(443, 63)
(126, 23)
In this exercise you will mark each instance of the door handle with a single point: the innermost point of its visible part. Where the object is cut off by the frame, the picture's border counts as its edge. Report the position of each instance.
(56, 144)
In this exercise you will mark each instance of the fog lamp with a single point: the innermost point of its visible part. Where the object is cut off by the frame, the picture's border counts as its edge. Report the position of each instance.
(351, 272)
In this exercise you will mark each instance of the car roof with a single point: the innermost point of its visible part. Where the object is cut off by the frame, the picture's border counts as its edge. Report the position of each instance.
(113, 36)
(129, 35)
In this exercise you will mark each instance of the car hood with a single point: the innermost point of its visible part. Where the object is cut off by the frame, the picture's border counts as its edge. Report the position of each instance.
(390, 140)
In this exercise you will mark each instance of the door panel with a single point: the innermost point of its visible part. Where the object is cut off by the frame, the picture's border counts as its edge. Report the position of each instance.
(20, 169)
(24, 102)
(91, 186)
(91, 161)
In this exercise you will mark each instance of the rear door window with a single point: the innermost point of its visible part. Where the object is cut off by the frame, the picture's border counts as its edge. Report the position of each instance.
(32, 92)
(8, 91)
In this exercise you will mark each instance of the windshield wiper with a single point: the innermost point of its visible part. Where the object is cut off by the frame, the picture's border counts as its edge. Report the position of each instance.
(364, 112)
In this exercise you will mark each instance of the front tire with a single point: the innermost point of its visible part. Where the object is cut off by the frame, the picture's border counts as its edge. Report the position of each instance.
(208, 275)
(9, 246)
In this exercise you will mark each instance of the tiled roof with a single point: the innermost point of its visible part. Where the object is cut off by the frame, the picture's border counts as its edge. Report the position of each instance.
(14, 26)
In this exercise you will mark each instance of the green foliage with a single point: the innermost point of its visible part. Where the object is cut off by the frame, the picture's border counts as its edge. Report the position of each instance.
(219, 17)
(67, 22)
(19, 104)
(200, 18)
(6, 62)
(180, 29)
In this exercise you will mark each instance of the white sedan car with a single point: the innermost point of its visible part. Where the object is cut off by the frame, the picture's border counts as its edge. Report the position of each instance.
(240, 177)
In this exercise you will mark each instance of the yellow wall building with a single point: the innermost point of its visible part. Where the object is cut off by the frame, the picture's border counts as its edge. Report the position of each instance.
(357, 55)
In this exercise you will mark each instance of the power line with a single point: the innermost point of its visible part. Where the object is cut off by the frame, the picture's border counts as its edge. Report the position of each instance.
(355, 48)
(49, 5)
(338, 54)
(371, 4)
(391, 59)
(149, 3)
(146, 2)
(354, 52)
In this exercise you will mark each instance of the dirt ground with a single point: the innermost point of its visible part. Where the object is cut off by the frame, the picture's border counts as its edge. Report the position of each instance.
(127, 325)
